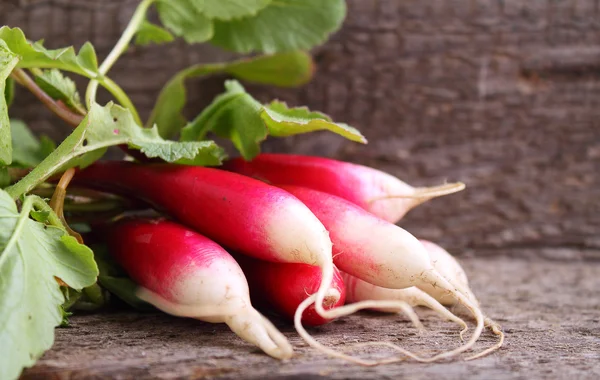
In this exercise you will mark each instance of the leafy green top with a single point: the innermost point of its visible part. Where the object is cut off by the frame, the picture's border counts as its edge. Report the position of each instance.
(8, 60)
(230, 9)
(149, 33)
(60, 87)
(108, 126)
(282, 26)
(183, 19)
(31, 256)
(236, 115)
(28, 151)
(35, 55)
(244, 26)
(283, 69)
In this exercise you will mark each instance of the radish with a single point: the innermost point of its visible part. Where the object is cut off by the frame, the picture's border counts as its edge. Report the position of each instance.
(241, 213)
(284, 286)
(185, 274)
(449, 267)
(377, 192)
(358, 290)
(379, 252)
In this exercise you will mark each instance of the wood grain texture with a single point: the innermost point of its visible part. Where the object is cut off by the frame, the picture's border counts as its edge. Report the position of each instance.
(503, 95)
(551, 322)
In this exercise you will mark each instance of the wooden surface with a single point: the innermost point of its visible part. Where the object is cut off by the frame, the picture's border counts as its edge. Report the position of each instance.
(549, 311)
(503, 95)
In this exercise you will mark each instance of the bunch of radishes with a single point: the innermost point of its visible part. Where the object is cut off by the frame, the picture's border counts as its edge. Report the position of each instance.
(292, 223)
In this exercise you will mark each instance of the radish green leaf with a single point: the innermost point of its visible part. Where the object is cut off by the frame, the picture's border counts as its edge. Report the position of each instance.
(32, 256)
(283, 25)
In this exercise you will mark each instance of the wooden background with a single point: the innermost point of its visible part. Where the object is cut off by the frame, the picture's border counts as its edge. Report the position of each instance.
(501, 94)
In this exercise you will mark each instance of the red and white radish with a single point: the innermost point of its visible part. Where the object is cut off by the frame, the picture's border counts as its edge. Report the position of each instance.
(358, 290)
(185, 274)
(377, 192)
(241, 213)
(283, 287)
(379, 252)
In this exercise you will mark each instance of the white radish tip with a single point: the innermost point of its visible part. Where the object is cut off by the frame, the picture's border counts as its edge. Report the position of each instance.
(430, 302)
(254, 328)
(425, 193)
(181, 310)
(433, 277)
(244, 321)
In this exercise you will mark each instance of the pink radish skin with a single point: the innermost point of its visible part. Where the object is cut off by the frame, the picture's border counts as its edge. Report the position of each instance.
(241, 213)
(282, 287)
(358, 290)
(377, 192)
(379, 252)
(185, 274)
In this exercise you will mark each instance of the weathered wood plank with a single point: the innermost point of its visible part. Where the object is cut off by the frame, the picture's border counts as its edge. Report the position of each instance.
(549, 310)
(503, 95)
